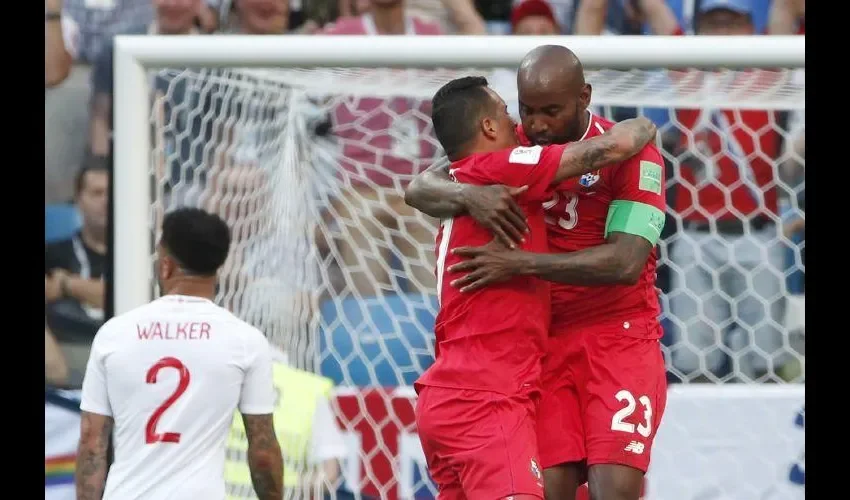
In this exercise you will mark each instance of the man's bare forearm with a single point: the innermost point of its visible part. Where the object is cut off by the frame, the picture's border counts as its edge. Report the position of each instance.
(434, 193)
(265, 460)
(266, 473)
(90, 473)
(90, 292)
(612, 263)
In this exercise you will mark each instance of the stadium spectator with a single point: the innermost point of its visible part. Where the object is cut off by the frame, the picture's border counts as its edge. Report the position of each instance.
(73, 268)
(55, 367)
(66, 106)
(61, 39)
(455, 16)
(597, 17)
(534, 17)
(384, 142)
(172, 18)
(254, 17)
(787, 17)
(727, 296)
(312, 443)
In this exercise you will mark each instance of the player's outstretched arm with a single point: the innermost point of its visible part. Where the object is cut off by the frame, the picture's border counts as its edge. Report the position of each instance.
(90, 474)
(265, 459)
(434, 193)
(621, 142)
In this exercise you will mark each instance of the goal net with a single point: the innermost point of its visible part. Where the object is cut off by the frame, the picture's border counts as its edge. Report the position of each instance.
(309, 166)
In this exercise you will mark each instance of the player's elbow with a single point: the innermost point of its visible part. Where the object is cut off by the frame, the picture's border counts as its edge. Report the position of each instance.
(628, 272)
(413, 193)
(625, 265)
(266, 458)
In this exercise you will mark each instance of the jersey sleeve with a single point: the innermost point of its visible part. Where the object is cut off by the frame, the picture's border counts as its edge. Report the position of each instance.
(638, 201)
(533, 166)
(95, 397)
(258, 395)
(327, 441)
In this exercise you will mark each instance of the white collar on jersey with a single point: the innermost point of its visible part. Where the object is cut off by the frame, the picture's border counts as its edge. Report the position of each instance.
(371, 29)
(184, 298)
(589, 124)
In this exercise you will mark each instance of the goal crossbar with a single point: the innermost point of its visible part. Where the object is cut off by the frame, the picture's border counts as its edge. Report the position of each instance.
(135, 55)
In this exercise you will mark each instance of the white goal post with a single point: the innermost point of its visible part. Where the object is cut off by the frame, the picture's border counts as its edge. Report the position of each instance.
(135, 55)
(301, 206)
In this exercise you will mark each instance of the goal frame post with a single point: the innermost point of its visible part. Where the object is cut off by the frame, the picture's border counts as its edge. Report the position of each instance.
(137, 54)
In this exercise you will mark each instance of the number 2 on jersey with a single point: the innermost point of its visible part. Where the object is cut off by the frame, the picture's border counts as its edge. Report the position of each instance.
(151, 436)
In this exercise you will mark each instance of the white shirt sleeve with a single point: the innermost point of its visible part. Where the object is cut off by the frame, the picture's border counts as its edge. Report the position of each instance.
(258, 395)
(70, 35)
(95, 397)
(327, 441)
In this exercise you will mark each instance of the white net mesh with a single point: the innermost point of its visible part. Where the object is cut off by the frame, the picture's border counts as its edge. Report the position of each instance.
(309, 167)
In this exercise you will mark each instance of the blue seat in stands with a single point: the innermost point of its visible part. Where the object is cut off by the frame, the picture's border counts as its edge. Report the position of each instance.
(61, 221)
(377, 341)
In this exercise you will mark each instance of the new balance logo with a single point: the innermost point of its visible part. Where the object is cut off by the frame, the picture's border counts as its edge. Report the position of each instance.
(634, 447)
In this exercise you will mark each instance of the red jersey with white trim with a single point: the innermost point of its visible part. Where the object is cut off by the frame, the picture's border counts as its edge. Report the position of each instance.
(576, 217)
(493, 339)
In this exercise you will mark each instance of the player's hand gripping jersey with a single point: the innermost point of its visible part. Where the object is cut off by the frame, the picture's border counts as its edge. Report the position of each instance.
(171, 374)
(493, 339)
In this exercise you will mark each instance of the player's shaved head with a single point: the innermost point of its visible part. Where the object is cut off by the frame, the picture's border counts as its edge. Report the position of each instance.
(551, 66)
(553, 95)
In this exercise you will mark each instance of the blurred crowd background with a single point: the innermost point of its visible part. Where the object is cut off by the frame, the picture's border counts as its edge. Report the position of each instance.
(733, 254)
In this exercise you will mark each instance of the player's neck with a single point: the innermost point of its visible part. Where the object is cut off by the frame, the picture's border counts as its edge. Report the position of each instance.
(583, 125)
(390, 20)
(94, 239)
(192, 287)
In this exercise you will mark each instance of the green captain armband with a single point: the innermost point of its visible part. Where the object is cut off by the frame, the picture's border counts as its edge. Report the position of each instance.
(635, 218)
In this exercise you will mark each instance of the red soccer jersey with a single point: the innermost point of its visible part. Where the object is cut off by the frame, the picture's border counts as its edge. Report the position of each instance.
(576, 218)
(493, 339)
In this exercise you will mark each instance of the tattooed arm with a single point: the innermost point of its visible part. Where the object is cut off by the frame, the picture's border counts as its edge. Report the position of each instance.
(90, 475)
(624, 140)
(264, 457)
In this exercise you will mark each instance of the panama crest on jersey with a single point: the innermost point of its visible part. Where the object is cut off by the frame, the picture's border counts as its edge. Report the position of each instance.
(590, 179)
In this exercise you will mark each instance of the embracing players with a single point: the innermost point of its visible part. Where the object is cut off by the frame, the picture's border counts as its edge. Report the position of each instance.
(166, 378)
(477, 403)
(603, 381)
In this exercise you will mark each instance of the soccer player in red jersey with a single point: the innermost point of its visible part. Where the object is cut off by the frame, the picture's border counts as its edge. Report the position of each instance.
(477, 404)
(604, 379)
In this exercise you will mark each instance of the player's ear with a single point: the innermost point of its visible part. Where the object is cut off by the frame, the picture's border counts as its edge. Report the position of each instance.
(488, 128)
(584, 96)
(166, 267)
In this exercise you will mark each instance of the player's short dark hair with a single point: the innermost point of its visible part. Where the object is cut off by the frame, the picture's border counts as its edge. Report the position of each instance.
(199, 241)
(456, 111)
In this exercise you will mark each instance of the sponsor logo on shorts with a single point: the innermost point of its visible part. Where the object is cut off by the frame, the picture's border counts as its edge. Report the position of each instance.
(635, 447)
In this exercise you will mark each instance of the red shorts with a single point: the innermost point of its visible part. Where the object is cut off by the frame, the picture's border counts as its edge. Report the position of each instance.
(603, 397)
(479, 444)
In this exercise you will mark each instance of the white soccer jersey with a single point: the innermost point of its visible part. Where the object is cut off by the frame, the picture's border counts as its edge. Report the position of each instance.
(171, 374)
